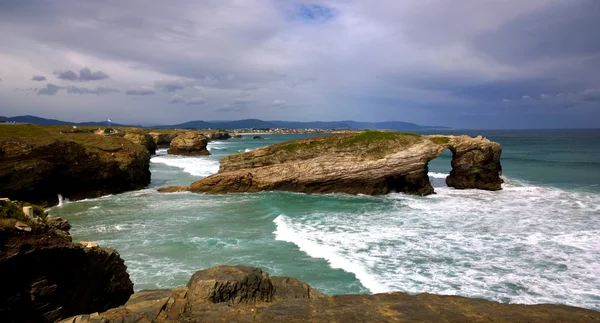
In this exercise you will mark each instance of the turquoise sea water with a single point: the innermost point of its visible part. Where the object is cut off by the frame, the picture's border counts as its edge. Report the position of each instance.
(536, 241)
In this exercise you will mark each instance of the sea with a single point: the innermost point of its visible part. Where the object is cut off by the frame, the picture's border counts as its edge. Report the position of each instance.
(535, 241)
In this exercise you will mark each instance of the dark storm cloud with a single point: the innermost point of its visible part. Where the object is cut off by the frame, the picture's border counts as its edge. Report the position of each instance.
(50, 89)
(83, 90)
(140, 91)
(85, 75)
(567, 29)
(38, 78)
(414, 59)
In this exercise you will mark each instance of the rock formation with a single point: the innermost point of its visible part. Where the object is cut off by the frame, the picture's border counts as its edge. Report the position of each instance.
(372, 162)
(143, 139)
(219, 135)
(46, 277)
(38, 163)
(163, 139)
(189, 143)
(245, 294)
(257, 137)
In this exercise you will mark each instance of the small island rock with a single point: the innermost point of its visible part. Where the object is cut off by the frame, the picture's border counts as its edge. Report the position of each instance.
(189, 143)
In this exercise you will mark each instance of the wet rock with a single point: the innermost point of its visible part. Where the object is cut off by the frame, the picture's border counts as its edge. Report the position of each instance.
(58, 223)
(173, 189)
(220, 135)
(257, 137)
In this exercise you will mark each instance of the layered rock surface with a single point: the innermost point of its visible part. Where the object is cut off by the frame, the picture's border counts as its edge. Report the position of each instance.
(143, 139)
(163, 139)
(38, 163)
(371, 162)
(245, 294)
(46, 277)
(189, 143)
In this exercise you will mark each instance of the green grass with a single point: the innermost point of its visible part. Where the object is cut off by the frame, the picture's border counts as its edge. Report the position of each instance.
(440, 140)
(44, 135)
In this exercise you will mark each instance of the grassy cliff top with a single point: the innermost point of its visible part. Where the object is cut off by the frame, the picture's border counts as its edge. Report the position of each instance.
(44, 135)
(367, 145)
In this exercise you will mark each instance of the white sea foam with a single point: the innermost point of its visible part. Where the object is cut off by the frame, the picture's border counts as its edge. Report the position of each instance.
(437, 175)
(524, 244)
(197, 166)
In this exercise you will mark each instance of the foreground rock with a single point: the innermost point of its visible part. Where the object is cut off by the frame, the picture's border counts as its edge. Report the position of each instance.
(46, 277)
(143, 139)
(189, 143)
(37, 163)
(369, 162)
(245, 294)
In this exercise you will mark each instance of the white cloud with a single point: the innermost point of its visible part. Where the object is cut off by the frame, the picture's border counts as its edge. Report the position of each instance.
(279, 103)
(176, 99)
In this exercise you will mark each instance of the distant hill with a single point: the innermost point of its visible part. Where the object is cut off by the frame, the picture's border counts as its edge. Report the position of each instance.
(54, 122)
(242, 124)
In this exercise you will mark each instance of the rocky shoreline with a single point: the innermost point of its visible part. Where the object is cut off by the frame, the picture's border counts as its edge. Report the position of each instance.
(49, 278)
(247, 294)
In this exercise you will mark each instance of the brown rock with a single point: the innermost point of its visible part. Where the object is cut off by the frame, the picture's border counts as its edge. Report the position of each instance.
(189, 143)
(163, 139)
(173, 189)
(245, 294)
(219, 135)
(58, 223)
(47, 278)
(371, 162)
(37, 166)
(142, 139)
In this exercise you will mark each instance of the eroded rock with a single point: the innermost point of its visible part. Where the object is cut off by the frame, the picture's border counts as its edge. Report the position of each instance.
(46, 277)
(372, 162)
(143, 139)
(189, 143)
(246, 294)
(38, 167)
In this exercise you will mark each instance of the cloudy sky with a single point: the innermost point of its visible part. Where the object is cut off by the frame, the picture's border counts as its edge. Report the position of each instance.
(459, 63)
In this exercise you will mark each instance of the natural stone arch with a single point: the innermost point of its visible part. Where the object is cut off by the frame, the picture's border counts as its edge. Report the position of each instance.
(372, 163)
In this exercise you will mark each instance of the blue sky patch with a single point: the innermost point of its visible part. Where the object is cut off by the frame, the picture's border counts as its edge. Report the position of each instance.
(314, 13)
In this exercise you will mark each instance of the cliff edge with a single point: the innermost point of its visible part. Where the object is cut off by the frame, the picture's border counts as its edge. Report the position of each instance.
(370, 162)
(38, 163)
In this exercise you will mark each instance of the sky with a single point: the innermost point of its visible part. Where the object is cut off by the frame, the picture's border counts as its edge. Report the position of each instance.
(460, 63)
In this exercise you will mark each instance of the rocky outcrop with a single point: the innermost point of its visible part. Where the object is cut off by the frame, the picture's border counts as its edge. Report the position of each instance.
(245, 294)
(38, 163)
(369, 162)
(189, 143)
(163, 139)
(257, 137)
(219, 135)
(143, 139)
(46, 277)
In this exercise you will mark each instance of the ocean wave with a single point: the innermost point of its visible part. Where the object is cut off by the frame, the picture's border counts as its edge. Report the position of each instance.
(525, 244)
(437, 175)
(196, 166)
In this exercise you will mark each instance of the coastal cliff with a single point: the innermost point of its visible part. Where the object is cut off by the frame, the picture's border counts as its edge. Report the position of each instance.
(38, 163)
(46, 277)
(371, 162)
(247, 294)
